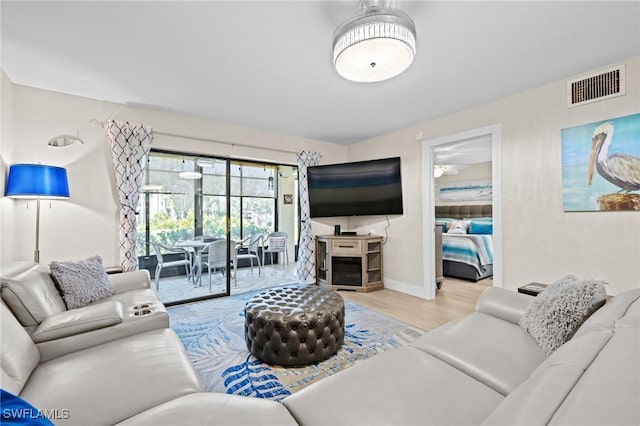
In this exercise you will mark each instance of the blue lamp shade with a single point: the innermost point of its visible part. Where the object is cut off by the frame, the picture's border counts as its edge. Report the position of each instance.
(36, 180)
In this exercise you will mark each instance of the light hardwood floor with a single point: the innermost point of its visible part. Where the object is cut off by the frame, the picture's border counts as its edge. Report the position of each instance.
(455, 299)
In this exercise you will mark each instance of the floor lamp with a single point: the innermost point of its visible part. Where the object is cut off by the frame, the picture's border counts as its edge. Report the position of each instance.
(37, 181)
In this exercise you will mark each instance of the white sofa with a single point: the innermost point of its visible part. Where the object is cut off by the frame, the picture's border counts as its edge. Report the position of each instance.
(105, 372)
(482, 369)
(485, 369)
(29, 291)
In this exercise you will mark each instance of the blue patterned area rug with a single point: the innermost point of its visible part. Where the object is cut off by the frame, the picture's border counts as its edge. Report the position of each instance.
(212, 332)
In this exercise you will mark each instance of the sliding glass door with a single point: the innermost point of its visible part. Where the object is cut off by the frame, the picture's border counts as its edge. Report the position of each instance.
(195, 213)
(181, 226)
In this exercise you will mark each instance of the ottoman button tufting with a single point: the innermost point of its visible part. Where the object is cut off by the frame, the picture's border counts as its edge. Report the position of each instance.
(314, 316)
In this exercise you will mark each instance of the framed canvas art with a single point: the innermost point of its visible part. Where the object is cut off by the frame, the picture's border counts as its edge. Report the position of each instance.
(471, 190)
(601, 165)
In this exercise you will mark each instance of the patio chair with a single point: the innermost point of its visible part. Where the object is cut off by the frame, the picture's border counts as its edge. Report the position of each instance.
(276, 243)
(254, 241)
(186, 262)
(215, 257)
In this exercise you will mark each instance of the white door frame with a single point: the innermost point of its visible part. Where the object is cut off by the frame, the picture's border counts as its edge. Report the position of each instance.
(428, 202)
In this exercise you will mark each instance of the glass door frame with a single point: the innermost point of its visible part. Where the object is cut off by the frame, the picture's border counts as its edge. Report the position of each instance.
(199, 210)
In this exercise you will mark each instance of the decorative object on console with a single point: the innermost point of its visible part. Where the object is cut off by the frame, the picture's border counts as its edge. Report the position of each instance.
(81, 282)
(37, 181)
(376, 45)
(532, 289)
(616, 161)
(553, 317)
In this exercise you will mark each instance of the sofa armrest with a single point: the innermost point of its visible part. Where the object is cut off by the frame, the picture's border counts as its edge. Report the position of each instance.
(504, 304)
(78, 321)
(127, 281)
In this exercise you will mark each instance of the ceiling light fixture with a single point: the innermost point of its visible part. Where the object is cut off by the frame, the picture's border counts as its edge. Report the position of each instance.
(152, 187)
(438, 170)
(377, 45)
(190, 175)
(204, 162)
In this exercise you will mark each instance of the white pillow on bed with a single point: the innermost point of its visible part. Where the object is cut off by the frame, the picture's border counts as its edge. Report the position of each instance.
(458, 227)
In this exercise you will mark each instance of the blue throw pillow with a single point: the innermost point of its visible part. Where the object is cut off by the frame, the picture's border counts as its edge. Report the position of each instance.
(17, 411)
(480, 227)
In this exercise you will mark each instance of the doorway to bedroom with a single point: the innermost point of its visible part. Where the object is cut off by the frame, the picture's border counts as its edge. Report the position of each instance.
(463, 208)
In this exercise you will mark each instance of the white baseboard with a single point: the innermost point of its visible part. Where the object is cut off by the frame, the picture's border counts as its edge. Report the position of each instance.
(402, 287)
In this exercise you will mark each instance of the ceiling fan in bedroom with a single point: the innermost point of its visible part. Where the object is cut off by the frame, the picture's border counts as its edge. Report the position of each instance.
(448, 169)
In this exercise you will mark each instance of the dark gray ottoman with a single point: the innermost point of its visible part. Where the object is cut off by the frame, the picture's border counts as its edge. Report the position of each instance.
(294, 325)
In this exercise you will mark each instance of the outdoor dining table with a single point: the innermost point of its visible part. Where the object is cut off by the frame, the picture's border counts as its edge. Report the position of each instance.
(197, 246)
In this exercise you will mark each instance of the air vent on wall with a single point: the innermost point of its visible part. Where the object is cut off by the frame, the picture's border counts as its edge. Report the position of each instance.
(596, 86)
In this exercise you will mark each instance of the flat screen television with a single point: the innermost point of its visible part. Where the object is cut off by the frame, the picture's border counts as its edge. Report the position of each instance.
(360, 188)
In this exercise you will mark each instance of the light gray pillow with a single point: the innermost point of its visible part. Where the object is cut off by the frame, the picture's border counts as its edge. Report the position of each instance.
(81, 282)
(555, 315)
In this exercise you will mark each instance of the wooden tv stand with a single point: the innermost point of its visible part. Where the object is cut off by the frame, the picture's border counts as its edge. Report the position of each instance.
(351, 262)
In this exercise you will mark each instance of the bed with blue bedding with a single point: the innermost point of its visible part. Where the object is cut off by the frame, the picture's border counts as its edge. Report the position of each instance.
(467, 241)
(473, 251)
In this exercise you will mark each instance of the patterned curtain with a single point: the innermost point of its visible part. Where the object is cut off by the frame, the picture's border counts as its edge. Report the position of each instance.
(130, 144)
(305, 267)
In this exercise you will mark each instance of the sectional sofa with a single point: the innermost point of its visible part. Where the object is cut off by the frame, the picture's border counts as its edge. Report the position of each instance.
(482, 369)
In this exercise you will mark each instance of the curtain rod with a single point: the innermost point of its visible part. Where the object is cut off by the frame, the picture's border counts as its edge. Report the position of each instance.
(198, 138)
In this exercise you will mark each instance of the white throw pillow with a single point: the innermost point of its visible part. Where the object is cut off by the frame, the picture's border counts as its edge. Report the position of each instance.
(458, 227)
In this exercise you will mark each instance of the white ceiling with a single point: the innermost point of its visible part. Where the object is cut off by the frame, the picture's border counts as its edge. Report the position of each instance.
(464, 153)
(267, 64)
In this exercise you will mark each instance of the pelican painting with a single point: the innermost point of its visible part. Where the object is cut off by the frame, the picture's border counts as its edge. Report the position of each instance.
(601, 171)
(622, 170)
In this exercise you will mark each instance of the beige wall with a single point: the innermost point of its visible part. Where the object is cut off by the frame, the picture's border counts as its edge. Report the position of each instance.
(540, 241)
(6, 148)
(87, 223)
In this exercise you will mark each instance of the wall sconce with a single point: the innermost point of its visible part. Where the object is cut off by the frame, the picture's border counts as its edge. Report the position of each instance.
(61, 141)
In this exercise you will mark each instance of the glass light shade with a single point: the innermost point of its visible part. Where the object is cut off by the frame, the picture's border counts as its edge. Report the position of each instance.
(190, 175)
(36, 181)
(438, 171)
(375, 46)
(152, 188)
(205, 162)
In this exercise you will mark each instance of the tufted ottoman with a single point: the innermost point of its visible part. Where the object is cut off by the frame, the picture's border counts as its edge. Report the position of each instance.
(294, 325)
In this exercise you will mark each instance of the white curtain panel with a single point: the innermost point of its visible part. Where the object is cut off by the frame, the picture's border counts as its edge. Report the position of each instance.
(305, 267)
(130, 144)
